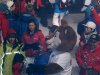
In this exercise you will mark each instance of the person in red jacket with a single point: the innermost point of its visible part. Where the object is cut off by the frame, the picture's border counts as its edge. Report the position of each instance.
(34, 35)
(88, 57)
(3, 21)
(20, 6)
(96, 17)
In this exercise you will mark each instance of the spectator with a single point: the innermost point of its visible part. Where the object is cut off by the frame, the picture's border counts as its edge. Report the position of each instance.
(86, 7)
(9, 49)
(20, 7)
(96, 17)
(90, 28)
(43, 7)
(61, 7)
(88, 57)
(34, 35)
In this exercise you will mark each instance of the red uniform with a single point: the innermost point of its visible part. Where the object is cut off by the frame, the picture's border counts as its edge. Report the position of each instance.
(96, 18)
(20, 6)
(3, 24)
(39, 3)
(91, 58)
(36, 37)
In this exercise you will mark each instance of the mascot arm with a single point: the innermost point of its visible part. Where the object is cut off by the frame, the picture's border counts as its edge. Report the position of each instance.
(44, 69)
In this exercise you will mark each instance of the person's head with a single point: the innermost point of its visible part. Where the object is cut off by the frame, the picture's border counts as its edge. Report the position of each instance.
(29, 7)
(32, 26)
(90, 27)
(11, 37)
(94, 40)
(10, 4)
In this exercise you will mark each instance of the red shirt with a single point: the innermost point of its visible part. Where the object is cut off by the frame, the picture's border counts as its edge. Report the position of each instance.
(91, 58)
(96, 18)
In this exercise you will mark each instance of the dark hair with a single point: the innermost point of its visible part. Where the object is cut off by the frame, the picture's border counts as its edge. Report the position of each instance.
(36, 27)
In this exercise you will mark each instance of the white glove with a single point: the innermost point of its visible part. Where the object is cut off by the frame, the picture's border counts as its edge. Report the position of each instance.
(84, 8)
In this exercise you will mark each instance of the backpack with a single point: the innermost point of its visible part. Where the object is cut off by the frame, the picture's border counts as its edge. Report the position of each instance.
(63, 6)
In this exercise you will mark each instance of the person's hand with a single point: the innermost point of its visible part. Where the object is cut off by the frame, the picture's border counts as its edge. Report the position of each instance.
(83, 8)
(82, 44)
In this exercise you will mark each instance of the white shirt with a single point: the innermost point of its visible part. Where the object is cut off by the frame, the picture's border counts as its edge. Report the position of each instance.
(62, 59)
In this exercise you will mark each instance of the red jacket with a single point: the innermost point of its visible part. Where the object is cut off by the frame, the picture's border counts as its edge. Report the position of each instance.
(20, 6)
(37, 37)
(3, 24)
(91, 58)
(39, 3)
(96, 18)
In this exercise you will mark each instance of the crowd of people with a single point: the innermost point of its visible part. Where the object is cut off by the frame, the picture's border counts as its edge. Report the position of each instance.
(24, 50)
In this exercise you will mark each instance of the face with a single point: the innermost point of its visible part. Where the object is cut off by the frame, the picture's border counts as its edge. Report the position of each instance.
(12, 8)
(94, 43)
(31, 26)
(88, 30)
(11, 40)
